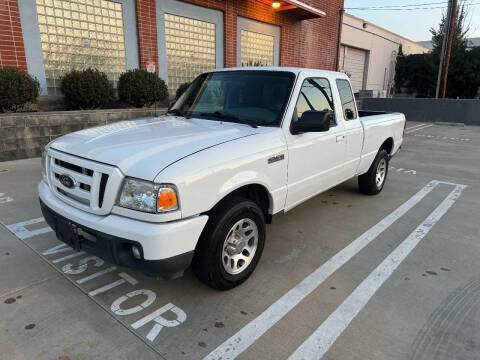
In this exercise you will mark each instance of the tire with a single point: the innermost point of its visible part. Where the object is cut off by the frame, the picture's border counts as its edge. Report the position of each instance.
(367, 183)
(212, 260)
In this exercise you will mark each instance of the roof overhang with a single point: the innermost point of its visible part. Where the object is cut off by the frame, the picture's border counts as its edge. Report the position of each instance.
(296, 8)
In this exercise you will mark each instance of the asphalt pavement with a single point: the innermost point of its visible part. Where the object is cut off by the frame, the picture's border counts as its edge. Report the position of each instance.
(342, 276)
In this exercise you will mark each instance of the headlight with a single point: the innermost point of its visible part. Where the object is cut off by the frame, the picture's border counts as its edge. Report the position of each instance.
(44, 165)
(147, 196)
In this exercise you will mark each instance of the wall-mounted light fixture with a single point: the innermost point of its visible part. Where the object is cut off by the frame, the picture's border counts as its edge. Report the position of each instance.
(276, 4)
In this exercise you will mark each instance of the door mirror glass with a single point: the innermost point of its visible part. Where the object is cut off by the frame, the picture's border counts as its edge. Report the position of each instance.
(349, 114)
(313, 121)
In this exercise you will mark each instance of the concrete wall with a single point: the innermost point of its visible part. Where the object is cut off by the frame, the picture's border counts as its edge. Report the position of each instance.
(24, 135)
(382, 46)
(431, 110)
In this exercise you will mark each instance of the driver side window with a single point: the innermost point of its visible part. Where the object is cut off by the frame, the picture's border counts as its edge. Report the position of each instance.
(315, 94)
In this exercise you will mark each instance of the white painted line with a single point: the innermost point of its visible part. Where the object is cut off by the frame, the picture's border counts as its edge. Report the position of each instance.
(160, 321)
(95, 275)
(417, 129)
(414, 126)
(317, 345)
(4, 198)
(20, 231)
(71, 256)
(246, 336)
(124, 278)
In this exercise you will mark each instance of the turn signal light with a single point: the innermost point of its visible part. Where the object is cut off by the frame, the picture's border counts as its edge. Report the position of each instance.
(167, 199)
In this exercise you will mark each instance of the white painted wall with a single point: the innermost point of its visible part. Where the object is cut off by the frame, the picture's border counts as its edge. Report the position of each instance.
(381, 46)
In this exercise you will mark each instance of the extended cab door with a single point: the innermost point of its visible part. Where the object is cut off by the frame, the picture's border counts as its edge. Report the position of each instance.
(315, 159)
(353, 129)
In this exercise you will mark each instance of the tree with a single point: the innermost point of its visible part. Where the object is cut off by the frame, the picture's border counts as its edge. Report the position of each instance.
(417, 74)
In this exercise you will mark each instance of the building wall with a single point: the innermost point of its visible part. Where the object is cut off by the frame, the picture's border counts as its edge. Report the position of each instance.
(308, 43)
(300, 44)
(147, 33)
(382, 47)
(12, 52)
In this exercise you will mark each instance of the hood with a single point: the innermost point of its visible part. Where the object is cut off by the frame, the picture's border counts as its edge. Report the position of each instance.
(144, 147)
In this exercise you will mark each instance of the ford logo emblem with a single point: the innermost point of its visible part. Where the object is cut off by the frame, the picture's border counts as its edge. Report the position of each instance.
(67, 181)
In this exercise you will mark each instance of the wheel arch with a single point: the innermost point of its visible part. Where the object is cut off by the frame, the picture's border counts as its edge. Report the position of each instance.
(387, 145)
(255, 192)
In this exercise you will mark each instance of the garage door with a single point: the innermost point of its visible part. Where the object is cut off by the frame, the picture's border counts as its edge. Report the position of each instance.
(352, 62)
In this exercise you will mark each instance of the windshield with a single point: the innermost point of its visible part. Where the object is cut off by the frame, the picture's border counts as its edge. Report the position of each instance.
(250, 97)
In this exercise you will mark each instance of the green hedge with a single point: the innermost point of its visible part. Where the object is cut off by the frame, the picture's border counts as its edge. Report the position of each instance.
(140, 88)
(16, 89)
(87, 89)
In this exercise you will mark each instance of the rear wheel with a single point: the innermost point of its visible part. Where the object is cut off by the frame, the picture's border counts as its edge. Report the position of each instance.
(231, 244)
(372, 182)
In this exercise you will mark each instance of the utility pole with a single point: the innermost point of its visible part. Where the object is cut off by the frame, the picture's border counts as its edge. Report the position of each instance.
(451, 35)
(444, 48)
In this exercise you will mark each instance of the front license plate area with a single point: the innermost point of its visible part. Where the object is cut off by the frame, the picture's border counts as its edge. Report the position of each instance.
(67, 233)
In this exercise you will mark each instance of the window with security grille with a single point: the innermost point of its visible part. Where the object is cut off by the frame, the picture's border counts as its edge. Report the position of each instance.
(257, 49)
(190, 47)
(80, 34)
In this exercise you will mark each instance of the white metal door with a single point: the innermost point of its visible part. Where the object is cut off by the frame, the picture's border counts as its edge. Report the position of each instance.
(352, 62)
(316, 160)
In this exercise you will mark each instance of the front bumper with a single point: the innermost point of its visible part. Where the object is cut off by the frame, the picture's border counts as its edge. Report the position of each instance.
(166, 248)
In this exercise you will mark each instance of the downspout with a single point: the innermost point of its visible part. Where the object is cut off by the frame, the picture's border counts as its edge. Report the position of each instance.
(339, 39)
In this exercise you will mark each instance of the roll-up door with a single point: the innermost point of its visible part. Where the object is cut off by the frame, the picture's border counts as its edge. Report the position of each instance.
(352, 62)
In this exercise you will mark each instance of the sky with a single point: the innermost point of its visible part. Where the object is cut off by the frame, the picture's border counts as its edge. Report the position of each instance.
(416, 23)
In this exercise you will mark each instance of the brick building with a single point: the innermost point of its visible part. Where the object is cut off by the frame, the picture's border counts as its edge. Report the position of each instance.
(176, 39)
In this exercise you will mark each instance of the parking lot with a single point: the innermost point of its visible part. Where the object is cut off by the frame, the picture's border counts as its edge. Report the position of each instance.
(343, 276)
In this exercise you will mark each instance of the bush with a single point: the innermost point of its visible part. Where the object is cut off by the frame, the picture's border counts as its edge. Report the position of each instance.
(16, 89)
(140, 88)
(181, 89)
(87, 89)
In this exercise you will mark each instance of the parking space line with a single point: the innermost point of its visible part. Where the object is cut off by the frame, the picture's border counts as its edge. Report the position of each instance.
(23, 233)
(5, 199)
(417, 129)
(246, 336)
(414, 126)
(317, 345)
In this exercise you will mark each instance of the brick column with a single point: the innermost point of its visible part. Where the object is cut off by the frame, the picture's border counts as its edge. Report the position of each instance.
(12, 51)
(147, 32)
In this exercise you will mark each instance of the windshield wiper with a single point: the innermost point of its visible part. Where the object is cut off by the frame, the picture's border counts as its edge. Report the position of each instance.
(230, 118)
(178, 112)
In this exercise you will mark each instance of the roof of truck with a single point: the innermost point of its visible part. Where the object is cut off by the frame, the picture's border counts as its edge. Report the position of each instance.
(295, 70)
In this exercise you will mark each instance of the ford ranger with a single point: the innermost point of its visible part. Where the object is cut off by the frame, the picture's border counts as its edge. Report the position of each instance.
(196, 186)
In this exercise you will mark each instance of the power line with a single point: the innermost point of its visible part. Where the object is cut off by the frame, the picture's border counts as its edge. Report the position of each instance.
(397, 6)
(406, 7)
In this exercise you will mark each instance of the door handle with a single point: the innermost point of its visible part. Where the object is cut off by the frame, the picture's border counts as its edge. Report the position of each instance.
(340, 138)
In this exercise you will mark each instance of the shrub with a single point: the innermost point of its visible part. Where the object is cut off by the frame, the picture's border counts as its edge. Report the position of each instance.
(181, 89)
(139, 88)
(87, 89)
(16, 89)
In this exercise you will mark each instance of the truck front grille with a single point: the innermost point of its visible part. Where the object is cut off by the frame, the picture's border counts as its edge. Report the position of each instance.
(91, 181)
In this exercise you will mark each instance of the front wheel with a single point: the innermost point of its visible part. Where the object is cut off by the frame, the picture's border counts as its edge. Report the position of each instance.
(372, 182)
(231, 244)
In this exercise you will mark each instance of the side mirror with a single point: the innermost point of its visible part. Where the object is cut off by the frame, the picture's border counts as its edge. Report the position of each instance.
(349, 115)
(312, 121)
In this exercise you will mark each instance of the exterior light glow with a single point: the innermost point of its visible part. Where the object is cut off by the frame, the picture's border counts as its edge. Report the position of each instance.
(275, 4)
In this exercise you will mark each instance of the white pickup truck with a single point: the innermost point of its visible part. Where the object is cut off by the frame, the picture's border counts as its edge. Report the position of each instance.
(197, 185)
